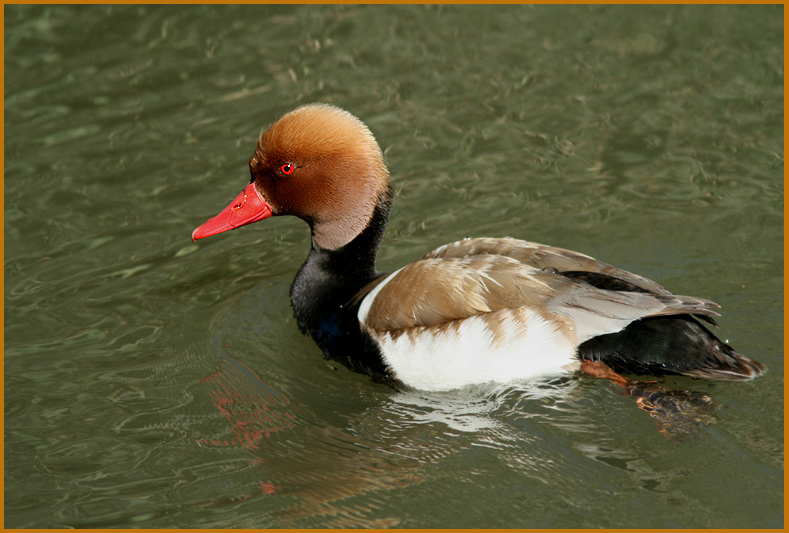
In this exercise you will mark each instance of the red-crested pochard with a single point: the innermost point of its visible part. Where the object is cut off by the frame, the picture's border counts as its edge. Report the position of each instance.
(472, 311)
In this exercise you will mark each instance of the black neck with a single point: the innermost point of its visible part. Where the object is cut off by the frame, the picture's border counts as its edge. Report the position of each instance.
(329, 279)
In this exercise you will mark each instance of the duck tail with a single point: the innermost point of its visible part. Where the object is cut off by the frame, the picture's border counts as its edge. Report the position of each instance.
(717, 360)
(676, 344)
(730, 366)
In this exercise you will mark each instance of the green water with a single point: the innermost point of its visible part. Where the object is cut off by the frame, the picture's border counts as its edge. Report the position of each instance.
(152, 382)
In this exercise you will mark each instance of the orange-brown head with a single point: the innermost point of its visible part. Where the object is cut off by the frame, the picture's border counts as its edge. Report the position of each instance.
(319, 163)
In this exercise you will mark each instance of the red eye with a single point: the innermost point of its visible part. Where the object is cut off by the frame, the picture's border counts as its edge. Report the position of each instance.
(287, 168)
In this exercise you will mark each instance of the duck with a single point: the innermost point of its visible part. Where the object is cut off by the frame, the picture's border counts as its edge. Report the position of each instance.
(470, 312)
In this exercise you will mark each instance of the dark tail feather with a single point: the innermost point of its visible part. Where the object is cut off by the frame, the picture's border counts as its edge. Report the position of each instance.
(670, 345)
(734, 367)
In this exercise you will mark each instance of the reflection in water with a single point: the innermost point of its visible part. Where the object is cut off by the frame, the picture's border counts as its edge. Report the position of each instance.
(475, 408)
(253, 408)
(386, 447)
(389, 445)
(635, 465)
(326, 467)
(679, 413)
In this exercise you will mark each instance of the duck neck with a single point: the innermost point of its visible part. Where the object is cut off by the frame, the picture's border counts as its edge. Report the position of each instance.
(329, 279)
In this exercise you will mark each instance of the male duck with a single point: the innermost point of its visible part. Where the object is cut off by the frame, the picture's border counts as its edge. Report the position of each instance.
(472, 311)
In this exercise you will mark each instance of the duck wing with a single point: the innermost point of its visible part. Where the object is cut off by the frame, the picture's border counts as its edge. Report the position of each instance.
(541, 256)
(567, 262)
(436, 291)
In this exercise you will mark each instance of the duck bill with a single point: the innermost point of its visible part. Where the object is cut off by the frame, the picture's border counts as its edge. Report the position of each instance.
(248, 207)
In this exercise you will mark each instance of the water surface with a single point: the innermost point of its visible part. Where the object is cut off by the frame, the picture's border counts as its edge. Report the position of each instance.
(152, 382)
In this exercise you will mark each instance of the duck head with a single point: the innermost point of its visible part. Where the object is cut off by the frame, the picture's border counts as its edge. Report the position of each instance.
(317, 162)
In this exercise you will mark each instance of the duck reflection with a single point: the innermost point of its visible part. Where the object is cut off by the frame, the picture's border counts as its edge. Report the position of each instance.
(323, 472)
(316, 472)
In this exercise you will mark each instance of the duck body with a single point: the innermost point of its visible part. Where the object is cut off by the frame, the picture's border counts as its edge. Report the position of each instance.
(472, 311)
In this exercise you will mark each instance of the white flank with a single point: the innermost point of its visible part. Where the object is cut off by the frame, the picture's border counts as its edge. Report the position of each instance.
(432, 359)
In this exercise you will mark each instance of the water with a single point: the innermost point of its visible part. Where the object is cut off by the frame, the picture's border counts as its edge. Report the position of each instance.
(152, 382)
